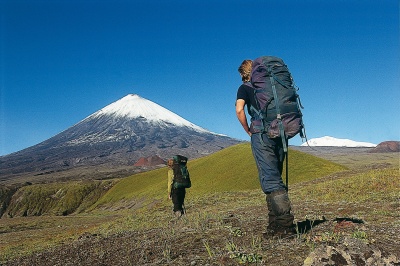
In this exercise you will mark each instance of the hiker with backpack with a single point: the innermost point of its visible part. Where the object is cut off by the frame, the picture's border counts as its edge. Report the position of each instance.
(178, 181)
(272, 103)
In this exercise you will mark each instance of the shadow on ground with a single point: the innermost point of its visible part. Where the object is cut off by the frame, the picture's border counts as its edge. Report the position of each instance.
(307, 225)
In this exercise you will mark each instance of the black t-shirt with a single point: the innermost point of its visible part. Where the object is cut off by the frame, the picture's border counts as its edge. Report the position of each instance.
(246, 93)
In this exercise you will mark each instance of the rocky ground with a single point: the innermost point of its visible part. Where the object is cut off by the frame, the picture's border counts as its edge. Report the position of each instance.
(329, 238)
(189, 247)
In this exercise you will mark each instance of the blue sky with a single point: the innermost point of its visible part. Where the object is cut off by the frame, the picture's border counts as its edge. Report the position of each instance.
(63, 60)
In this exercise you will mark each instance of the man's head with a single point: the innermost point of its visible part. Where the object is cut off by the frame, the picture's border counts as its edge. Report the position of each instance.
(245, 70)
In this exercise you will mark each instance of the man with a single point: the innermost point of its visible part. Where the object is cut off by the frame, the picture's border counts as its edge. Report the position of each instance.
(177, 195)
(269, 156)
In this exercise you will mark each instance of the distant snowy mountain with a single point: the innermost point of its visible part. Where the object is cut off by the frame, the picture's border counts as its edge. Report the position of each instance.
(133, 106)
(334, 142)
(116, 136)
(123, 120)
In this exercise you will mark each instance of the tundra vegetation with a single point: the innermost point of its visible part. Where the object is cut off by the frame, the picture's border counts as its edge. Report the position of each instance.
(336, 200)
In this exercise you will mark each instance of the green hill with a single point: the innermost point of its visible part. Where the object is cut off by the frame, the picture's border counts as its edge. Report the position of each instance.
(231, 169)
(61, 198)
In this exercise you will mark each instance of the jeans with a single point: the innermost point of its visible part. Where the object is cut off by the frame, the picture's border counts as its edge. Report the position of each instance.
(269, 156)
(178, 198)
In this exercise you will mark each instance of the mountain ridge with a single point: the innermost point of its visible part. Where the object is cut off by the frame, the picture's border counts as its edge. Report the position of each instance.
(113, 137)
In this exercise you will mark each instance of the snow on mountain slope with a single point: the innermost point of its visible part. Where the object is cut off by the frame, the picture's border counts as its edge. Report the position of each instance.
(134, 106)
(334, 142)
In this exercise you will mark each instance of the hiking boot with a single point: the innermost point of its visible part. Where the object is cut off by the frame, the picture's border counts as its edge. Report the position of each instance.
(280, 232)
(279, 208)
(271, 213)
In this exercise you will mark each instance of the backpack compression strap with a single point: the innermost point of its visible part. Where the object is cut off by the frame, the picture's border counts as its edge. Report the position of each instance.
(278, 111)
(281, 129)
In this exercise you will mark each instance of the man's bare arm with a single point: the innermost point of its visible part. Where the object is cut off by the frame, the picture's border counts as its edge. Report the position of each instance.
(241, 115)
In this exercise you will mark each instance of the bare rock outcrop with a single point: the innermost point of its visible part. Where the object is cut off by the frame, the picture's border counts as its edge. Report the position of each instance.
(150, 161)
(387, 146)
(351, 252)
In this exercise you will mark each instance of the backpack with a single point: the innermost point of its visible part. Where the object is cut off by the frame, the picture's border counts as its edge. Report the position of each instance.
(181, 173)
(278, 104)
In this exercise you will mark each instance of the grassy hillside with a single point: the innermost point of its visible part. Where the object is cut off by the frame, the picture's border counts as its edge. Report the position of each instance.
(373, 185)
(56, 198)
(231, 169)
(222, 229)
(226, 212)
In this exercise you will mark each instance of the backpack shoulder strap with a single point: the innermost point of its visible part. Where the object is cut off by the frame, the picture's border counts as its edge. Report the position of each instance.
(278, 111)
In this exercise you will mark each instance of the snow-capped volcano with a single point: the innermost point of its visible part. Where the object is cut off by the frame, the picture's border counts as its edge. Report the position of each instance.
(334, 142)
(115, 136)
(133, 106)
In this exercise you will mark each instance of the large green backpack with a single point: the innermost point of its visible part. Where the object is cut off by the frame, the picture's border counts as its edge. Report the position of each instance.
(278, 105)
(181, 173)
